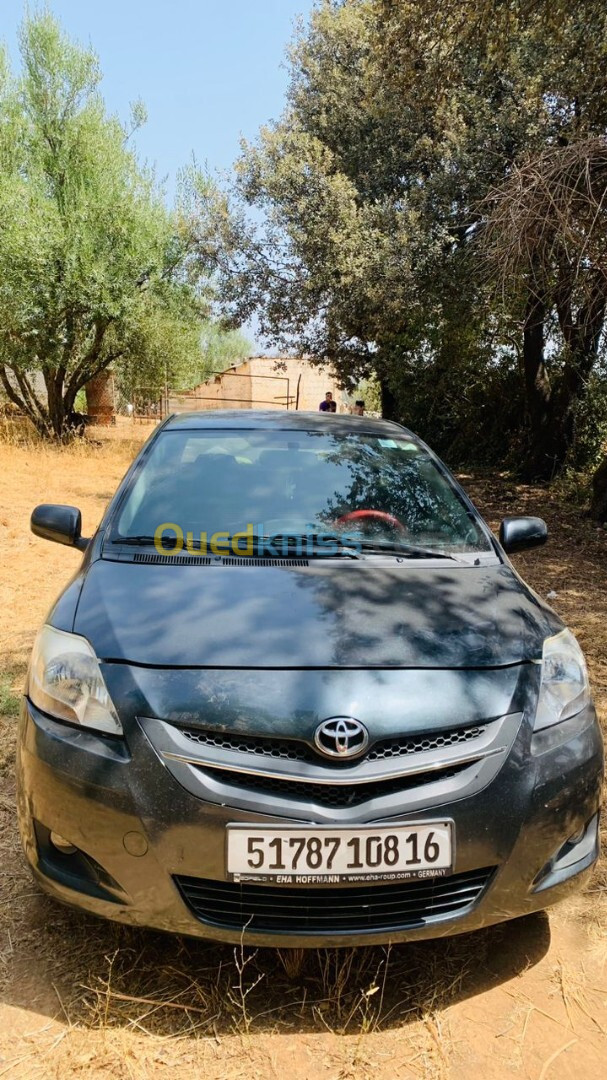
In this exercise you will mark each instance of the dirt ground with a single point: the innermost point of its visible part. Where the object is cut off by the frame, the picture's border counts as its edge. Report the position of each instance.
(79, 998)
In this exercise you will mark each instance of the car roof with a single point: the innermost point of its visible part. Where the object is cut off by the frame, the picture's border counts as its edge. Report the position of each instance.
(282, 420)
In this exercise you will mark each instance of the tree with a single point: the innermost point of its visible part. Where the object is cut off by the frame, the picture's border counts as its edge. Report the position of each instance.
(546, 234)
(370, 192)
(221, 349)
(327, 270)
(94, 269)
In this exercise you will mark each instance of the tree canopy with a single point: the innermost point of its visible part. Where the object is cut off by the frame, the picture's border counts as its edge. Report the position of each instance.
(374, 197)
(94, 268)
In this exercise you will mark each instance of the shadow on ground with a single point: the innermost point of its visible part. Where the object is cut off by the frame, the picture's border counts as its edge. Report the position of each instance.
(65, 965)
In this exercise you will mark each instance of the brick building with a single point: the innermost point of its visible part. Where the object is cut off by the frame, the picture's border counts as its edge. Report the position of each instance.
(263, 382)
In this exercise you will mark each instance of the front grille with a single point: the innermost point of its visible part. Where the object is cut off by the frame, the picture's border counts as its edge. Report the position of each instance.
(296, 750)
(331, 910)
(246, 744)
(389, 748)
(336, 796)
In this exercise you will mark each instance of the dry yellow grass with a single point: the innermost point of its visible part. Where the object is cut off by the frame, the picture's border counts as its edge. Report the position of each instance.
(79, 998)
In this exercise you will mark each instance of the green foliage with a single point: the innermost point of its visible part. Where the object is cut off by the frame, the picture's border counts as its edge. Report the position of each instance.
(369, 391)
(221, 349)
(468, 413)
(94, 269)
(368, 195)
(590, 426)
(177, 355)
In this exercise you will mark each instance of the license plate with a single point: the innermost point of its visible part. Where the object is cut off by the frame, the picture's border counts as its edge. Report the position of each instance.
(304, 855)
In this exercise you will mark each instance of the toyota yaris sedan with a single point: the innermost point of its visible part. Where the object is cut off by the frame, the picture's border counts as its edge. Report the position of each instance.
(296, 693)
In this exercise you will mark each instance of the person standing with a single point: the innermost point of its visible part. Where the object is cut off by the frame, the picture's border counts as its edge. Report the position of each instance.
(328, 405)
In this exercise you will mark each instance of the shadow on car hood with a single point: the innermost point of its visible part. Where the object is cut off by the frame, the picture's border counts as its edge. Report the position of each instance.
(324, 615)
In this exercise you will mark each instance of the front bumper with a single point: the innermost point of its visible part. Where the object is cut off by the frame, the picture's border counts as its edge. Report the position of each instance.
(141, 834)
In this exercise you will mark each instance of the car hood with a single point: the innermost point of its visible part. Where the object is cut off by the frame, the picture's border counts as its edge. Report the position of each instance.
(329, 615)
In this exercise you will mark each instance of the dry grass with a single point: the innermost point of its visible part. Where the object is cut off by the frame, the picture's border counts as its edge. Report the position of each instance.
(80, 998)
(572, 572)
(84, 473)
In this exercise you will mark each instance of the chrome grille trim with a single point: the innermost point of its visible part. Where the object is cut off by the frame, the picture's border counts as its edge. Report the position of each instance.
(447, 774)
(336, 777)
(332, 796)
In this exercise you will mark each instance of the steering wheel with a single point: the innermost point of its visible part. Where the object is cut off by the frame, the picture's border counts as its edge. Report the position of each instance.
(372, 515)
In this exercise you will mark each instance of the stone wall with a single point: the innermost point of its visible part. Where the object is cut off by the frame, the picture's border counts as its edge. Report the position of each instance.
(263, 382)
(100, 398)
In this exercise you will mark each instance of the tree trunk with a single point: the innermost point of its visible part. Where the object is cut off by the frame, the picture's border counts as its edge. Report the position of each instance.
(550, 408)
(54, 394)
(389, 404)
(582, 334)
(598, 506)
(55, 418)
(20, 391)
(540, 462)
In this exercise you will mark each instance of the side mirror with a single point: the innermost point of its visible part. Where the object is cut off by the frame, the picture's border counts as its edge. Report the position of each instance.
(63, 524)
(520, 533)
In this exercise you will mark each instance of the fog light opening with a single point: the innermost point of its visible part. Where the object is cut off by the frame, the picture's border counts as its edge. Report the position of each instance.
(577, 853)
(61, 844)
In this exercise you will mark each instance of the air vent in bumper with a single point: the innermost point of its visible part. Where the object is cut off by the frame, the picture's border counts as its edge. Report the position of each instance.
(332, 910)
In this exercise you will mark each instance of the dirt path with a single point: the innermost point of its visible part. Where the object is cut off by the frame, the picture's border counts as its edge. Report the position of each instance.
(79, 998)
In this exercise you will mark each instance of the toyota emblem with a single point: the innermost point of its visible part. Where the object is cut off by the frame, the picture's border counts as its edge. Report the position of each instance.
(341, 737)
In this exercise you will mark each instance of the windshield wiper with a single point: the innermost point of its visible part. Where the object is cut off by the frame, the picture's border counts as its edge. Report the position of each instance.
(306, 546)
(283, 543)
(151, 541)
(406, 551)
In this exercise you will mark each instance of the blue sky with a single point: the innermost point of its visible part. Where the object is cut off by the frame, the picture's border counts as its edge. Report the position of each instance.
(207, 71)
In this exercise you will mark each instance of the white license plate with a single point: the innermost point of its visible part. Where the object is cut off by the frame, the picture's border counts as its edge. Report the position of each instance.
(304, 855)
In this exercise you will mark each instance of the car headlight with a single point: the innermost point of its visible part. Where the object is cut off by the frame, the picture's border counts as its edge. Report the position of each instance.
(65, 681)
(564, 689)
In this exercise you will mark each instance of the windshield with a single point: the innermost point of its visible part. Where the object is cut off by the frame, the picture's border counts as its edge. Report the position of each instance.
(357, 486)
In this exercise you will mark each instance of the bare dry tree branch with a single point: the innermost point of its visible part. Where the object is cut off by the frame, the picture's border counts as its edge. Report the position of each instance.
(549, 212)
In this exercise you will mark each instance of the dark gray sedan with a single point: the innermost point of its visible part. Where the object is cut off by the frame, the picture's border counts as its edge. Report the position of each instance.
(296, 690)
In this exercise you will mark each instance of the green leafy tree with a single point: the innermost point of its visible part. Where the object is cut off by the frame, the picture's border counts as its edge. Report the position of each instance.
(369, 197)
(94, 269)
(221, 349)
